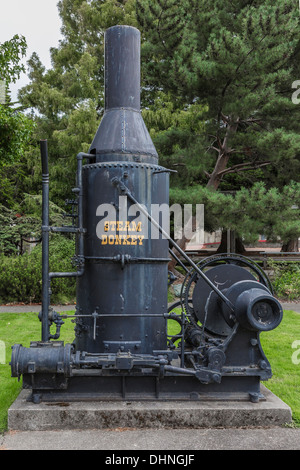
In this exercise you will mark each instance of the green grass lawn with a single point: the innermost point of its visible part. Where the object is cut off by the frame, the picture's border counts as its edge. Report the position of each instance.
(19, 328)
(277, 344)
(282, 348)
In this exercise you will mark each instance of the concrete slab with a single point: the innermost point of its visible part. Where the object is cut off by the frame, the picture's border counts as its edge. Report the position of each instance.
(26, 416)
(295, 306)
(138, 441)
(33, 308)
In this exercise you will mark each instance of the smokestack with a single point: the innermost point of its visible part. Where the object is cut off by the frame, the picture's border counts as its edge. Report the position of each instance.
(122, 134)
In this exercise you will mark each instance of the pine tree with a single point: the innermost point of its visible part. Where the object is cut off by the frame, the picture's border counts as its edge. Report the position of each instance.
(240, 59)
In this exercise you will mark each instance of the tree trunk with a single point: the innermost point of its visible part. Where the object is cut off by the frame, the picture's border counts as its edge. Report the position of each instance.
(223, 154)
(238, 244)
(291, 246)
(214, 179)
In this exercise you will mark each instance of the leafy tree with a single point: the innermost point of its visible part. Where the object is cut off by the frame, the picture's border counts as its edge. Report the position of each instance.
(22, 223)
(239, 59)
(15, 132)
(217, 92)
(250, 211)
(11, 52)
(15, 127)
(177, 131)
(68, 98)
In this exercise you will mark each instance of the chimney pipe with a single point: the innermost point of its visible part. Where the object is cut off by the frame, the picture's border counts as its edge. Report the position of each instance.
(122, 134)
(122, 68)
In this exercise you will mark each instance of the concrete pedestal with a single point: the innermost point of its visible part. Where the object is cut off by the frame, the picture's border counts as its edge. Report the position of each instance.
(26, 416)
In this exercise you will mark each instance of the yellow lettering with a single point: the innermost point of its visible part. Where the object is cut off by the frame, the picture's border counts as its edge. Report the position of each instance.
(135, 227)
(141, 237)
(126, 240)
(133, 240)
(121, 226)
(119, 239)
(122, 239)
(112, 225)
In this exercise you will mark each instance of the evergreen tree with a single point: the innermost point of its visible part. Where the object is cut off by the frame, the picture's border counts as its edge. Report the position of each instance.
(67, 99)
(217, 82)
(240, 59)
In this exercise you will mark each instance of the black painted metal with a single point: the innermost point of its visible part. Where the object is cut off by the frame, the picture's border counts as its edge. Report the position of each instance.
(123, 149)
(122, 134)
(166, 236)
(121, 348)
(45, 241)
(141, 388)
(125, 286)
(206, 302)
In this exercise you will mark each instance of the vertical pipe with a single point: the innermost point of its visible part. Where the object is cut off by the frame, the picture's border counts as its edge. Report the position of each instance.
(80, 247)
(122, 134)
(122, 67)
(45, 241)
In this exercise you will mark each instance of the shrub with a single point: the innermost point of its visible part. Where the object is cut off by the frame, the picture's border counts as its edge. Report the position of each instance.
(21, 276)
(286, 279)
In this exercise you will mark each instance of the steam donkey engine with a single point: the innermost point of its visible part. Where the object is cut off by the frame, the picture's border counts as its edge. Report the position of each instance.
(122, 349)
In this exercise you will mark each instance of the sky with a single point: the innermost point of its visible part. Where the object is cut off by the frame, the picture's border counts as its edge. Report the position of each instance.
(39, 22)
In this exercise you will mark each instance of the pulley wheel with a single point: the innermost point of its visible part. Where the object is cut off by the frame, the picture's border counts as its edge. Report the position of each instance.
(207, 305)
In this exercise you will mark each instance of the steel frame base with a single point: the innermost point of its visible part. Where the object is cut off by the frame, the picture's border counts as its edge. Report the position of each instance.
(141, 388)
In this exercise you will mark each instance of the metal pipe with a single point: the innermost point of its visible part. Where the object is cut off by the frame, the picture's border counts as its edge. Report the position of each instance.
(80, 209)
(45, 241)
(79, 230)
(66, 274)
(46, 275)
(129, 259)
(122, 131)
(121, 315)
(122, 67)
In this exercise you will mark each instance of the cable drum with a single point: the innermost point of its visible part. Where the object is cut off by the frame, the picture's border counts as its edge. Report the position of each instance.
(224, 270)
